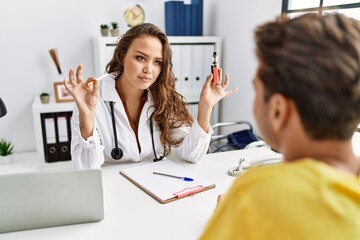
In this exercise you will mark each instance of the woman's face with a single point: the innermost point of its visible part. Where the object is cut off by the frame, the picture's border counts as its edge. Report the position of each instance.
(142, 62)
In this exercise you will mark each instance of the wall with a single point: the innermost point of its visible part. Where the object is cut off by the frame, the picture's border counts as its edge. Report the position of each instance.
(239, 58)
(30, 28)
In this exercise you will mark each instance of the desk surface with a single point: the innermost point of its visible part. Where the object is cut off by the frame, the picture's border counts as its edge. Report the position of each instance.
(130, 213)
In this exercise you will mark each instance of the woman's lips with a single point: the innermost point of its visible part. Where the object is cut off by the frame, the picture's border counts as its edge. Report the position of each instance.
(145, 79)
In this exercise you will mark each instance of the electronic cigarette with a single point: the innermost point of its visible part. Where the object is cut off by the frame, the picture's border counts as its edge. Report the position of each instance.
(215, 70)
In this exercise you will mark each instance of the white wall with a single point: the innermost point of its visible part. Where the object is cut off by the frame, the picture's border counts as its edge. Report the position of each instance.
(29, 28)
(239, 58)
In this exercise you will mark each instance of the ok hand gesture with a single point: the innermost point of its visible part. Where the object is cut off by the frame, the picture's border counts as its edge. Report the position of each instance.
(84, 93)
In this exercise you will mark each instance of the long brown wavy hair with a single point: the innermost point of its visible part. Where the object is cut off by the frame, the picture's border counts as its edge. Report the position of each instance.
(171, 110)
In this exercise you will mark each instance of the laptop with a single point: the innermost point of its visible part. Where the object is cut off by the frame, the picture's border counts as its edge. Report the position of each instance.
(47, 199)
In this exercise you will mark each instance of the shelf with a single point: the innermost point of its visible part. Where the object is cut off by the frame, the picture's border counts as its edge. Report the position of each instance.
(52, 106)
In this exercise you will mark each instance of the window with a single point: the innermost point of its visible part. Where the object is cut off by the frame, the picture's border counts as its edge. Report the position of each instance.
(295, 8)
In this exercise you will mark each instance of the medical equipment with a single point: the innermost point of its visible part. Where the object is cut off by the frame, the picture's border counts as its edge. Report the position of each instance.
(264, 159)
(117, 152)
(235, 140)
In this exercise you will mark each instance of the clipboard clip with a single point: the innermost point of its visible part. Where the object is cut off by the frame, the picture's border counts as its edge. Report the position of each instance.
(189, 191)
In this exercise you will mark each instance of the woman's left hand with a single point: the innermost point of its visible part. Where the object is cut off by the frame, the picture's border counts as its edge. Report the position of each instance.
(213, 93)
(210, 95)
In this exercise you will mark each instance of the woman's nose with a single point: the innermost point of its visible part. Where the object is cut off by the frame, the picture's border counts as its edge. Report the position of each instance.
(147, 68)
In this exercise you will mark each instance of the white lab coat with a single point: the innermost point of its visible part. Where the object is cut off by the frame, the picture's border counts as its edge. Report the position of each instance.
(94, 151)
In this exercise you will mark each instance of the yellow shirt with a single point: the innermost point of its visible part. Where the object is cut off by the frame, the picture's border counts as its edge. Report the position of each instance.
(303, 200)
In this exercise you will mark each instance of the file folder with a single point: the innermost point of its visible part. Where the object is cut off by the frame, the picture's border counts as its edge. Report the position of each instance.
(186, 71)
(199, 70)
(176, 68)
(166, 189)
(170, 18)
(56, 131)
(63, 122)
(49, 137)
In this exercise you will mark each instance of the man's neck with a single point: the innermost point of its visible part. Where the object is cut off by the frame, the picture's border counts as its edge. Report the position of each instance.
(336, 153)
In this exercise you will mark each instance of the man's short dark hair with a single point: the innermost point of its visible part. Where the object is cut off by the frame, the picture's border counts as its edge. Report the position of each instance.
(314, 61)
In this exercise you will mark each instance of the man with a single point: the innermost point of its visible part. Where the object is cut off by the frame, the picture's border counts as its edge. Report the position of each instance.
(307, 106)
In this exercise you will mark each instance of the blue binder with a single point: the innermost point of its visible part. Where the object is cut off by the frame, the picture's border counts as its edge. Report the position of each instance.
(170, 20)
(180, 21)
(194, 19)
(199, 22)
(184, 19)
(187, 19)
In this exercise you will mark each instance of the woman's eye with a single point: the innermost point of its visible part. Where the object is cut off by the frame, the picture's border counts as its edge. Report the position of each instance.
(141, 58)
(158, 62)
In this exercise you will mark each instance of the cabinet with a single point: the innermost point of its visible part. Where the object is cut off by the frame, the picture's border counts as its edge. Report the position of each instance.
(191, 57)
(52, 133)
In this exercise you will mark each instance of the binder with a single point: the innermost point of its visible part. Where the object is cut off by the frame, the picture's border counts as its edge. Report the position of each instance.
(200, 11)
(179, 18)
(162, 188)
(186, 69)
(184, 19)
(170, 18)
(49, 137)
(56, 131)
(194, 20)
(198, 74)
(64, 132)
(176, 60)
(187, 19)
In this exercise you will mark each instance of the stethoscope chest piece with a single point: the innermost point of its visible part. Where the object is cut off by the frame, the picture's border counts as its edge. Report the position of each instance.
(117, 153)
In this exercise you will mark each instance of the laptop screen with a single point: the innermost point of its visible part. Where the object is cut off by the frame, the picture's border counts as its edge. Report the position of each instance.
(46, 199)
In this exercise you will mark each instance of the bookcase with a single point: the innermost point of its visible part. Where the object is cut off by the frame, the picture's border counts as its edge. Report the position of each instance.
(52, 124)
(192, 59)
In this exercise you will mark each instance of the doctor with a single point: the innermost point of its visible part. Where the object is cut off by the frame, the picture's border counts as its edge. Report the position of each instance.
(134, 113)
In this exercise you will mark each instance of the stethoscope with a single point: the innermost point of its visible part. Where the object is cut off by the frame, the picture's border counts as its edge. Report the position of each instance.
(116, 152)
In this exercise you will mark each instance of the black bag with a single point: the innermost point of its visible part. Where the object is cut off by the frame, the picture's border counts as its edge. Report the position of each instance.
(233, 141)
(240, 139)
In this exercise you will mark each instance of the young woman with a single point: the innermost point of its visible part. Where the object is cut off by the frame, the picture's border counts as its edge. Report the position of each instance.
(134, 113)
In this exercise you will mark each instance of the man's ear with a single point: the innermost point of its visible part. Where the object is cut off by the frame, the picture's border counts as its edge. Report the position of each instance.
(280, 110)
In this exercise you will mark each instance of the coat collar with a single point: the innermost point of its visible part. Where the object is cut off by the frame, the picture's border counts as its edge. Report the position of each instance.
(109, 93)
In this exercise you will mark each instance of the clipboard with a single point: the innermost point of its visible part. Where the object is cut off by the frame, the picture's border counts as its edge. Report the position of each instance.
(162, 188)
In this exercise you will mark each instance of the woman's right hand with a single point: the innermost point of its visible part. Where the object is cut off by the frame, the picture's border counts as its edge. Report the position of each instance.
(85, 94)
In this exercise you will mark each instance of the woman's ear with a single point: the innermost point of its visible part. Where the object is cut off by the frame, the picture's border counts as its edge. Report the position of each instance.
(280, 110)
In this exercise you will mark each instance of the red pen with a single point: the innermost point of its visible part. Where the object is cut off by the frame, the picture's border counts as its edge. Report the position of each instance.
(215, 70)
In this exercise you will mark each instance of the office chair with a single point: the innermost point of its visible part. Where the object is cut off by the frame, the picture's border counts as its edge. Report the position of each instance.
(241, 139)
